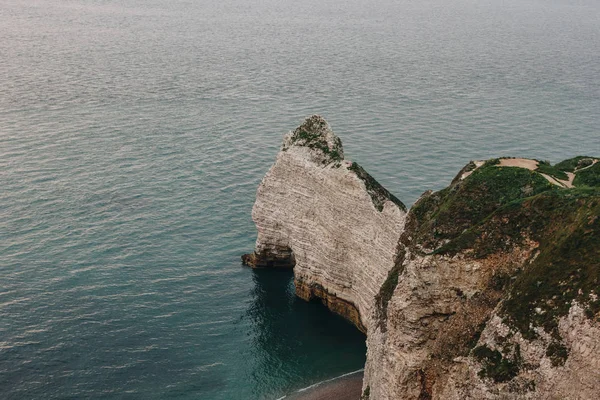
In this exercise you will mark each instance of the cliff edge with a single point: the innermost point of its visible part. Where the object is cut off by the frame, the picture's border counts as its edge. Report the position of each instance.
(487, 289)
(497, 294)
(328, 219)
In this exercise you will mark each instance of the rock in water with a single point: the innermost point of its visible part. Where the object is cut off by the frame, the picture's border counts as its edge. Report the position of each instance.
(497, 297)
(329, 220)
(488, 289)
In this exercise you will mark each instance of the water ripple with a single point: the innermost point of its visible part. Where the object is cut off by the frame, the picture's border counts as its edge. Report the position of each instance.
(133, 137)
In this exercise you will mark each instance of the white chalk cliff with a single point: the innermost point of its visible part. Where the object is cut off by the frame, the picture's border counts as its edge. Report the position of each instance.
(487, 289)
(328, 217)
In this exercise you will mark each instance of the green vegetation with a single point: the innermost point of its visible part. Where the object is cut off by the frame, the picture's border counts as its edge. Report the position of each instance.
(496, 209)
(572, 164)
(474, 335)
(378, 193)
(446, 214)
(385, 294)
(567, 226)
(366, 393)
(492, 161)
(496, 366)
(312, 135)
(500, 281)
(544, 167)
(557, 352)
(467, 168)
(587, 173)
(590, 176)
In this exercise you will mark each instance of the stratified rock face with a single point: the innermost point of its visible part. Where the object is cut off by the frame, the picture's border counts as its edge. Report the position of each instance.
(497, 297)
(488, 289)
(329, 220)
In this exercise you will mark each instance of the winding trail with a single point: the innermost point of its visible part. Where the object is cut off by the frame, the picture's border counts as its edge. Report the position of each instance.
(532, 165)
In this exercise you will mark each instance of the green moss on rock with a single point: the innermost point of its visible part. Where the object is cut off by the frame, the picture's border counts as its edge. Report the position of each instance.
(379, 194)
(366, 393)
(445, 215)
(495, 365)
(315, 134)
(386, 291)
(557, 352)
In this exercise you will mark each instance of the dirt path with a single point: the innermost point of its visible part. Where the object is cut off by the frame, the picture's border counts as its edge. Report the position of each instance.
(532, 166)
(594, 161)
(519, 162)
(569, 183)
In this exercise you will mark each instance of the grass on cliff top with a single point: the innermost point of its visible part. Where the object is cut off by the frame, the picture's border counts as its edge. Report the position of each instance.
(310, 134)
(586, 172)
(574, 163)
(378, 193)
(544, 167)
(589, 176)
(495, 209)
(566, 224)
(446, 214)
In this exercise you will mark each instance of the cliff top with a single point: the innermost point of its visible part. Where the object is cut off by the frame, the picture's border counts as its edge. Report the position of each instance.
(562, 174)
(326, 149)
(493, 206)
(482, 187)
(316, 134)
(497, 274)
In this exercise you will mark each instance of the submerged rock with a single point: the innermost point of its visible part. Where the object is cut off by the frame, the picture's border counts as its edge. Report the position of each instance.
(485, 289)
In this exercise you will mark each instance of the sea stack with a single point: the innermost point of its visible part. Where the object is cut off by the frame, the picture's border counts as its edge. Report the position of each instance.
(487, 289)
(329, 220)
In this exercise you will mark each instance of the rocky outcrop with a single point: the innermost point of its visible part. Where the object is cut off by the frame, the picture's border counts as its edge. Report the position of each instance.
(487, 289)
(497, 295)
(329, 220)
(505, 365)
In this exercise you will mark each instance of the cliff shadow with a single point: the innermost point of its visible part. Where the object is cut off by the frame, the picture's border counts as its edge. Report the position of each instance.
(297, 343)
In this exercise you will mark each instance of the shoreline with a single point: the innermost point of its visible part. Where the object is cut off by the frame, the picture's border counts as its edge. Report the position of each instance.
(343, 387)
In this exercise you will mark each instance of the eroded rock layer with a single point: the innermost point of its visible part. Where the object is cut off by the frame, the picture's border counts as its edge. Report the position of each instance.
(329, 219)
(487, 289)
(497, 296)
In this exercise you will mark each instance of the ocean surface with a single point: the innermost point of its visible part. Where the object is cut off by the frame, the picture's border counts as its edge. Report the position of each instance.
(133, 135)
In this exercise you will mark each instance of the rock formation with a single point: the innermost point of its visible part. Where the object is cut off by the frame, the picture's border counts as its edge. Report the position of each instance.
(329, 220)
(487, 289)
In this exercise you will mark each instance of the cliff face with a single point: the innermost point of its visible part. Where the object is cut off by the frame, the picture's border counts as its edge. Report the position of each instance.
(497, 295)
(487, 289)
(329, 220)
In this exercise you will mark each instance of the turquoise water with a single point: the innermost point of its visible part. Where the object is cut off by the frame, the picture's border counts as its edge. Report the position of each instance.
(133, 135)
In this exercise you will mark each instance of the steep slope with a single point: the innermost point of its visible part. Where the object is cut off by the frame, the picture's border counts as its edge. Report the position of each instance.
(329, 220)
(497, 296)
(487, 289)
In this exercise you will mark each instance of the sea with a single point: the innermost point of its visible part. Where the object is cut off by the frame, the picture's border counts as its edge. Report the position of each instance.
(134, 133)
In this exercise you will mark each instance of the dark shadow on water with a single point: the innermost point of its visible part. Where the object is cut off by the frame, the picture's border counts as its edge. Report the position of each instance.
(297, 343)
